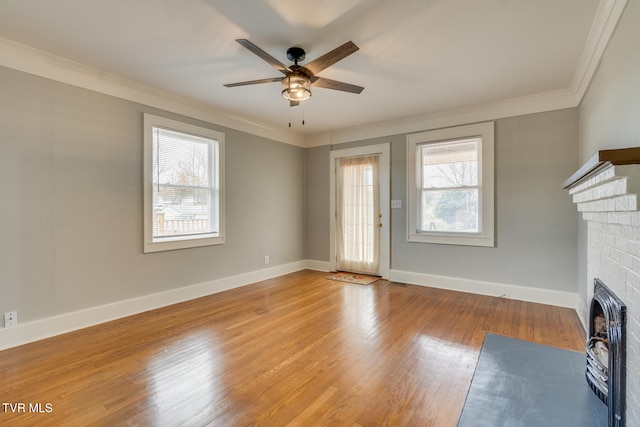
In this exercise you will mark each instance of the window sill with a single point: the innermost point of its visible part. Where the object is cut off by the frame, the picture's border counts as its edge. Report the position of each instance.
(171, 244)
(453, 239)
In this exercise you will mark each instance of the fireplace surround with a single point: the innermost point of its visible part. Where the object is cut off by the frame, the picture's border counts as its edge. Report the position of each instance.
(606, 351)
(605, 190)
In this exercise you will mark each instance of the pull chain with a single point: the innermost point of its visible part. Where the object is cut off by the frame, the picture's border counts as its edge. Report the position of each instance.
(302, 115)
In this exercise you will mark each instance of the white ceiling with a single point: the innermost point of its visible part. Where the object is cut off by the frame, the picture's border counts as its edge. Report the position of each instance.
(416, 57)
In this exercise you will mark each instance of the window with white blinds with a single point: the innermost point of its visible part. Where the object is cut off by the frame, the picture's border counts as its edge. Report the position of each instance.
(450, 186)
(183, 185)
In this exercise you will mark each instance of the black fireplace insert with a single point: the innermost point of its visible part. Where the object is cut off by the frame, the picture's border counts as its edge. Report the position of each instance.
(606, 348)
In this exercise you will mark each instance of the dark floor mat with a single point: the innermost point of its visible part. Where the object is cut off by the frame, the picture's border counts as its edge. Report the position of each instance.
(522, 384)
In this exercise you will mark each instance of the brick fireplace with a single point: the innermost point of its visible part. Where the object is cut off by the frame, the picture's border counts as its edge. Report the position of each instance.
(606, 191)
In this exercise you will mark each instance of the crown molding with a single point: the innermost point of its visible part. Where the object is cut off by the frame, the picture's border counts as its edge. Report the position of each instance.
(547, 101)
(604, 24)
(33, 61)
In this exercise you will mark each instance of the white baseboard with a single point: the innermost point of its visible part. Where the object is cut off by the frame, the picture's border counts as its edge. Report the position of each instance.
(311, 264)
(522, 293)
(51, 326)
(44, 328)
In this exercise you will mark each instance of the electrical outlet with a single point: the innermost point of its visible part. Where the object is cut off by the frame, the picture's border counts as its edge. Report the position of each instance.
(10, 319)
(266, 259)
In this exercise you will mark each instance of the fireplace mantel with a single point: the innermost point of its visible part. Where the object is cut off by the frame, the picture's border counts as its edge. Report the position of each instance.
(622, 156)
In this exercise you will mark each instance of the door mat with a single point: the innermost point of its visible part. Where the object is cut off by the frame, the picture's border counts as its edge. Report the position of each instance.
(523, 384)
(359, 279)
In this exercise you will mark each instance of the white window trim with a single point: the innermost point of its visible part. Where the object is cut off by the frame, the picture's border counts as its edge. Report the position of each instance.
(486, 236)
(179, 242)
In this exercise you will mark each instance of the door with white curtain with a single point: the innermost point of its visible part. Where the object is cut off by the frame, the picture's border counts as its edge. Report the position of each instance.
(360, 210)
(358, 214)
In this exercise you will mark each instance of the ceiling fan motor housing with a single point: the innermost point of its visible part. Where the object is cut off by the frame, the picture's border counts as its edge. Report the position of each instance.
(295, 54)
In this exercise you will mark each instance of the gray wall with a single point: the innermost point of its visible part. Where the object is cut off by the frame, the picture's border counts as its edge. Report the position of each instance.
(536, 221)
(71, 202)
(317, 203)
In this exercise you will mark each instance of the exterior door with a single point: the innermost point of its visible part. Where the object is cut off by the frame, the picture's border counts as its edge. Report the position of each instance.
(358, 214)
(360, 200)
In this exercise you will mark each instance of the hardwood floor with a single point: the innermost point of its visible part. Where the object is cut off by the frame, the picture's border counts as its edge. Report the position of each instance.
(298, 350)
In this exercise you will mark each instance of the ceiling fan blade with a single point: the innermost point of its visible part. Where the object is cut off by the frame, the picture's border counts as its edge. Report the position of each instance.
(255, 82)
(330, 58)
(335, 85)
(265, 56)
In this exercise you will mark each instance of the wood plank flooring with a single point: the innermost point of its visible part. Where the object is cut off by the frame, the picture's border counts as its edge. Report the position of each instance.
(298, 350)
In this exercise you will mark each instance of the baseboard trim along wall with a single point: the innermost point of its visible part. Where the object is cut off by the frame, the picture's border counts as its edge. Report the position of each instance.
(45, 328)
(51, 326)
(317, 265)
(522, 293)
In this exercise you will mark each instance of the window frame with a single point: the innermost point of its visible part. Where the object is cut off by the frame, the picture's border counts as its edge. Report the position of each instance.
(486, 236)
(183, 241)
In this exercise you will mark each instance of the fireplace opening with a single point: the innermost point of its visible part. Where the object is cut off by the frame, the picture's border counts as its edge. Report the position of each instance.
(606, 348)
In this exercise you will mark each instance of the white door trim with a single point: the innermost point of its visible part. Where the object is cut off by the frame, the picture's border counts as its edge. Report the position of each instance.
(384, 151)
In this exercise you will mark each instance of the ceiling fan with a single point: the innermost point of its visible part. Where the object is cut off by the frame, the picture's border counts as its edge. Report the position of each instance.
(297, 80)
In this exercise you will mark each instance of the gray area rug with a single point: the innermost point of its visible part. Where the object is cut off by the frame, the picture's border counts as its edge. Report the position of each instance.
(522, 384)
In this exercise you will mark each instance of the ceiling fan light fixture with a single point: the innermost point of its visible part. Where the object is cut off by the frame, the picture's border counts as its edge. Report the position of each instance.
(296, 87)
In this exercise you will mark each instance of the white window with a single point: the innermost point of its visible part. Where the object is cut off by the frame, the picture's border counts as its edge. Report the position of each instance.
(183, 185)
(450, 186)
